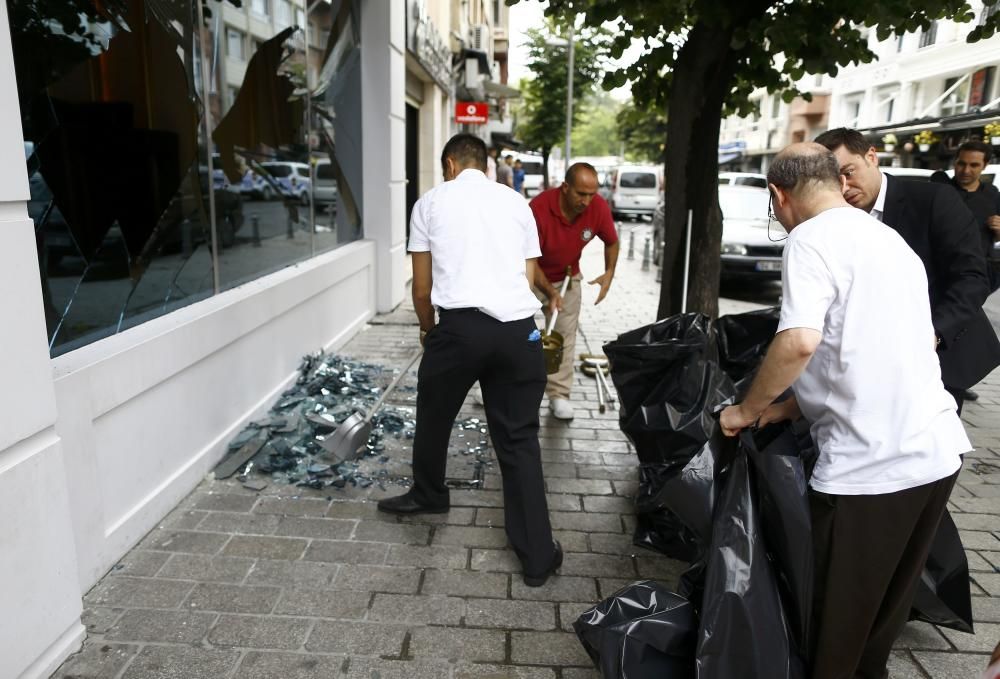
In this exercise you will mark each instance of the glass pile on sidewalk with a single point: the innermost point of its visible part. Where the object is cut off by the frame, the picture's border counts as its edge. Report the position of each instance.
(283, 448)
(736, 509)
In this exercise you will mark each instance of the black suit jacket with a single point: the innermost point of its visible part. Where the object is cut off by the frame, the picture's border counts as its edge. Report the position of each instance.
(937, 225)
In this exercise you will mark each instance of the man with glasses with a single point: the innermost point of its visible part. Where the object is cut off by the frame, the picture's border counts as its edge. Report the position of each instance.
(889, 439)
(935, 223)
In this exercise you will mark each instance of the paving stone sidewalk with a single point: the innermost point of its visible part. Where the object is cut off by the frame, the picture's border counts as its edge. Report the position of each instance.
(293, 583)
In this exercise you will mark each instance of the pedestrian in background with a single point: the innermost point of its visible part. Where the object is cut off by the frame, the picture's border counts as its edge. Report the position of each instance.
(474, 246)
(856, 344)
(982, 199)
(505, 173)
(518, 177)
(491, 165)
(940, 229)
(569, 217)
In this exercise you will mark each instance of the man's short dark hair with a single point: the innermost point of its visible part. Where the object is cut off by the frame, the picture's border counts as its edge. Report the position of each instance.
(978, 147)
(792, 171)
(575, 168)
(852, 140)
(467, 150)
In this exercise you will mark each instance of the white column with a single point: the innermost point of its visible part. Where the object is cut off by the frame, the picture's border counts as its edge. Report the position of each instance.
(383, 72)
(39, 590)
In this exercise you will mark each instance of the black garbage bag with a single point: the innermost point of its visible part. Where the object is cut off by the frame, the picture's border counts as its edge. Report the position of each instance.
(743, 340)
(943, 595)
(668, 382)
(642, 631)
(743, 631)
(783, 492)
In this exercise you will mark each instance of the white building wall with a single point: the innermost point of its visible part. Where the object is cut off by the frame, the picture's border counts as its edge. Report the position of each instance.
(384, 140)
(915, 75)
(97, 445)
(39, 595)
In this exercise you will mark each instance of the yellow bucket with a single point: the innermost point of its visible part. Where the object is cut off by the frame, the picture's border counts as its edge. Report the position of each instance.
(552, 349)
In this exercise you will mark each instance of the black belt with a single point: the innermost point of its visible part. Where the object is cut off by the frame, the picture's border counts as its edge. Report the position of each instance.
(460, 310)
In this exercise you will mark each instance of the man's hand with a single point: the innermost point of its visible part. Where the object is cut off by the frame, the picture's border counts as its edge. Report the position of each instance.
(734, 418)
(779, 412)
(604, 281)
(555, 302)
(994, 224)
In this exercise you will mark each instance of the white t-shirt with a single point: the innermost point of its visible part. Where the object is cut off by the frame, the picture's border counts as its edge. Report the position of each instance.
(479, 234)
(882, 420)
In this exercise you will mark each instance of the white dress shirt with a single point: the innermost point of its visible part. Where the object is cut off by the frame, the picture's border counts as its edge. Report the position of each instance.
(479, 234)
(878, 209)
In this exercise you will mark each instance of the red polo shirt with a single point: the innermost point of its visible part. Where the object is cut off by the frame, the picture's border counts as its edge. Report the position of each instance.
(563, 242)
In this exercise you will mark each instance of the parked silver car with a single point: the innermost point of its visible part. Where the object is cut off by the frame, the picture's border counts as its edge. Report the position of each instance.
(751, 244)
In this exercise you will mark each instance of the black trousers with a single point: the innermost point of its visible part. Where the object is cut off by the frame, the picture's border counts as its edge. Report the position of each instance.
(466, 346)
(870, 551)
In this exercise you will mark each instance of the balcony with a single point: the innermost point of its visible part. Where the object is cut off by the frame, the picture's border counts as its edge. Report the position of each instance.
(818, 107)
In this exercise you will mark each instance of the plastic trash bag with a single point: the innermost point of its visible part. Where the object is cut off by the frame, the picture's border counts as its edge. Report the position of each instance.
(642, 631)
(743, 630)
(668, 382)
(943, 595)
(743, 340)
(783, 493)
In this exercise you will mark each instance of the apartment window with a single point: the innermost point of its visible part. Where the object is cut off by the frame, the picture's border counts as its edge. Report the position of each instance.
(899, 41)
(929, 36)
(958, 100)
(775, 105)
(300, 18)
(260, 7)
(283, 13)
(235, 44)
(988, 11)
(852, 111)
(496, 12)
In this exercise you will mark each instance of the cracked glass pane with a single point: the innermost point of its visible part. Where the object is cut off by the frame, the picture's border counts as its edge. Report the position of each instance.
(259, 132)
(110, 115)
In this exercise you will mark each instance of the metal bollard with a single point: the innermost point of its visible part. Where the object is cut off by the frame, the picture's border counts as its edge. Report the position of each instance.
(255, 229)
(631, 244)
(290, 233)
(645, 255)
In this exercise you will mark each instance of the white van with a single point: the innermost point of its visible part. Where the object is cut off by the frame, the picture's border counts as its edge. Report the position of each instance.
(533, 173)
(633, 190)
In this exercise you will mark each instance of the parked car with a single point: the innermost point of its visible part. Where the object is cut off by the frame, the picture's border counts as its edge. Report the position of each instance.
(533, 173)
(632, 191)
(751, 247)
(910, 173)
(292, 179)
(989, 173)
(743, 179)
(325, 190)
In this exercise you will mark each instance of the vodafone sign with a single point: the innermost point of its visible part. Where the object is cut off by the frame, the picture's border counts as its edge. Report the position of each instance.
(471, 112)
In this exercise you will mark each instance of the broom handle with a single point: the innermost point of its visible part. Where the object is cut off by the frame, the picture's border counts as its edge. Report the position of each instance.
(555, 314)
(392, 385)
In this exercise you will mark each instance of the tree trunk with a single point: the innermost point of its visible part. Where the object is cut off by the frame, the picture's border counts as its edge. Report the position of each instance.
(702, 79)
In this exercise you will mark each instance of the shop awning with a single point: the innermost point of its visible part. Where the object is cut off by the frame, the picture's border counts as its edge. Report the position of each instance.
(500, 90)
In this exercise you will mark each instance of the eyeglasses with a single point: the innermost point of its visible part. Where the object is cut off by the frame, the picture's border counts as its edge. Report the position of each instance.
(772, 218)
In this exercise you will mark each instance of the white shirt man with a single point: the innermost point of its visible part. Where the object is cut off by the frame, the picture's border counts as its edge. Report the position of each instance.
(474, 246)
(856, 344)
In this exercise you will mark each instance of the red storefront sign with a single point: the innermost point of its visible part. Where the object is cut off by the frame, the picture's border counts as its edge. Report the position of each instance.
(471, 112)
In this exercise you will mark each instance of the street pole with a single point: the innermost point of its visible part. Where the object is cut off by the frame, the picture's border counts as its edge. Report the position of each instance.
(569, 93)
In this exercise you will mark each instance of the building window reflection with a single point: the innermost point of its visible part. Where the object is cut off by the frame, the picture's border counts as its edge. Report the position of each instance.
(128, 150)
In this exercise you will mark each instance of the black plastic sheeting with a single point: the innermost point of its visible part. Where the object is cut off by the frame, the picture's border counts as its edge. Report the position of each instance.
(643, 630)
(737, 509)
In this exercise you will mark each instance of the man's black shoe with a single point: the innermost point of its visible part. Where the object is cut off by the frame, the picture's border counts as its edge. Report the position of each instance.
(539, 580)
(968, 395)
(405, 504)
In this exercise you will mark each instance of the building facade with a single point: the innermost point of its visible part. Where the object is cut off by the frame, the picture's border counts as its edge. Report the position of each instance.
(931, 81)
(194, 194)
